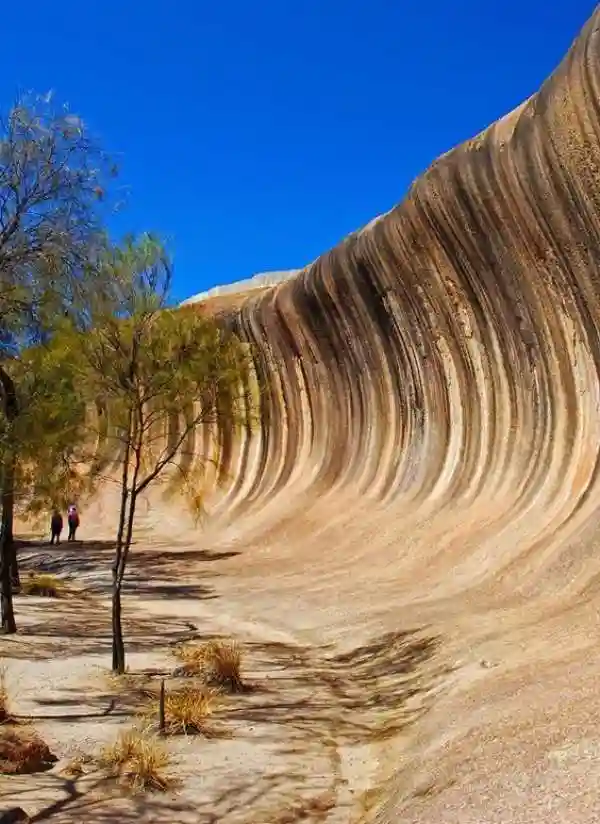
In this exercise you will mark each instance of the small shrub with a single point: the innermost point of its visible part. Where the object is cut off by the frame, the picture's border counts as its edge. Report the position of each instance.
(78, 765)
(223, 665)
(4, 701)
(6, 716)
(139, 761)
(23, 751)
(191, 655)
(188, 710)
(218, 662)
(43, 583)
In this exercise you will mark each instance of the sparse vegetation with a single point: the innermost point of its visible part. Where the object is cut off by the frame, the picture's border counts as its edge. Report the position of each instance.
(21, 748)
(156, 376)
(6, 716)
(217, 662)
(44, 584)
(52, 185)
(139, 761)
(4, 709)
(192, 657)
(78, 765)
(88, 326)
(23, 751)
(188, 711)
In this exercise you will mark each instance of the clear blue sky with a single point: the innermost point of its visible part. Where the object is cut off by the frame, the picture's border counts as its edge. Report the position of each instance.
(254, 136)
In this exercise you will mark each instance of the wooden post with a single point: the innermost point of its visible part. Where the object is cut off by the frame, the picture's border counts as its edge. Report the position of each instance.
(161, 708)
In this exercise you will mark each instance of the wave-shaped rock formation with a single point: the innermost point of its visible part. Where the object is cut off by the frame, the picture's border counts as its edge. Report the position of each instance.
(447, 355)
(258, 281)
(430, 435)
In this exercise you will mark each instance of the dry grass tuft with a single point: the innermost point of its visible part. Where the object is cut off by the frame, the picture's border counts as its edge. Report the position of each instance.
(192, 656)
(23, 751)
(4, 700)
(6, 716)
(189, 710)
(139, 761)
(43, 583)
(79, 765)
(218, 663)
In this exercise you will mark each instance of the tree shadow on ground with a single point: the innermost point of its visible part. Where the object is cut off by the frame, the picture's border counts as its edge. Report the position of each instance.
(309, 703)
(79, 623)
(272, 797)
(94, 800)
(106, 694)
(151, 571)
(82, 626)
(370, 693)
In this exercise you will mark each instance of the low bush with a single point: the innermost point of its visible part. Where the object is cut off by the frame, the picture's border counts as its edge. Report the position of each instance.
(4, 700)
(78, 765)
(6, 716)
(23, 751)
(188, 710)
(139, 761)
(43, 583)
(218, 663)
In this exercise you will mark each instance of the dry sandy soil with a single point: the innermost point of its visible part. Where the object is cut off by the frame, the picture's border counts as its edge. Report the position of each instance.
(369, 699)
(304, 744)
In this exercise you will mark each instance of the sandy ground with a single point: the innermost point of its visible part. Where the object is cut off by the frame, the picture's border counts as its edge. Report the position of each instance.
(371, 701)
(380, 693)
(305, 744)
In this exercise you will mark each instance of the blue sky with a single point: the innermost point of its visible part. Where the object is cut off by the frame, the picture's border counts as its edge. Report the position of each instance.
(254, 136)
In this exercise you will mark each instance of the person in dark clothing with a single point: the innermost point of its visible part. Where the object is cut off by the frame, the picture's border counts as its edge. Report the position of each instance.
(56, 525)
(73, 521)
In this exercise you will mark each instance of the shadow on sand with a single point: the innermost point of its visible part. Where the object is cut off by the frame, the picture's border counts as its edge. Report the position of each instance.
(84, 799)
(152, 572)
(80, 623)
(369, 693)
(305, 703)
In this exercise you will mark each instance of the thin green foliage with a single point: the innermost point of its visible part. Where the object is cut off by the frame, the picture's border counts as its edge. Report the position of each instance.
(157, 376)
(52, 190)
(49, 431)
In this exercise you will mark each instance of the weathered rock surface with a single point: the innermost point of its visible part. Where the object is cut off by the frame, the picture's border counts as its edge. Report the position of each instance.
(430, 434)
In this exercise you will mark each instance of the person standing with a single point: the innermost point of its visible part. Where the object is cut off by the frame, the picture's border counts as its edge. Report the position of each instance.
(56, 525)
(73, 521)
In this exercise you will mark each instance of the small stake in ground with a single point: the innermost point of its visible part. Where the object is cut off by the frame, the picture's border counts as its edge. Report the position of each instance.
(161, 708)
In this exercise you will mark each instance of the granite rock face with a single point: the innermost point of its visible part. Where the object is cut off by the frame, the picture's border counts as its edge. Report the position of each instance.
(430, 396)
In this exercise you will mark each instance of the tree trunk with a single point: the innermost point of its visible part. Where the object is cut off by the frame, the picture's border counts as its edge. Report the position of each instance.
(161, 708)
(129, 532)
(123, 545)
(8, 555)
(118, 646)
(8, 511)
(9, 625)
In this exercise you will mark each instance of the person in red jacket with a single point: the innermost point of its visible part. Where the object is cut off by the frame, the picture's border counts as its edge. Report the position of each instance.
(73, 521)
